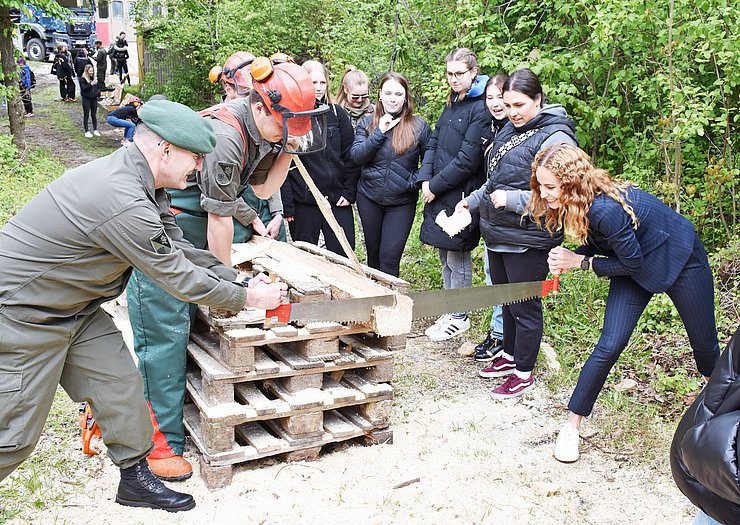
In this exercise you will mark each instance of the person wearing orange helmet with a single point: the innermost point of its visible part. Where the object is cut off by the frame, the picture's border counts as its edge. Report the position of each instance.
(269, 221)
(254, 136)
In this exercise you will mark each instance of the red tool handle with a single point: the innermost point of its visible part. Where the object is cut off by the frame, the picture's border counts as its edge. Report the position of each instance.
(550, 285)
(281, 314)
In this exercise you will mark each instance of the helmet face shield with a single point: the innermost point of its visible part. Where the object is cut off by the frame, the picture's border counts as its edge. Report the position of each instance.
(304, 131)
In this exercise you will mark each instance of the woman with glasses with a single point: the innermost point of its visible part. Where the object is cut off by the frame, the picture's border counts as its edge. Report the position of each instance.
(388, 146)
(517, 247)
(331, 169)
(354, 95)
(451, 170)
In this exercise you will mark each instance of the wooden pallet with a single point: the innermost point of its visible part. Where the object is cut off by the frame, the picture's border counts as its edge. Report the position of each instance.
(256, 391)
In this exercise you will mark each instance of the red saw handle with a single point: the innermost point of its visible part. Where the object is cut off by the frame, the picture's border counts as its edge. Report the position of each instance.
(281, 314)
(550, 285)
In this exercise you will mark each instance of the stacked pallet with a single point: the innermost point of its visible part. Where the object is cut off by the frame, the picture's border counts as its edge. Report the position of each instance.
(258, 390)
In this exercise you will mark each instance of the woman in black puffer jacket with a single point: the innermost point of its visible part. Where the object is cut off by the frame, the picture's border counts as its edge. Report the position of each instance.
(450, 171)
(331, 169)
(388, 145)
(705, 456)
(517, 248)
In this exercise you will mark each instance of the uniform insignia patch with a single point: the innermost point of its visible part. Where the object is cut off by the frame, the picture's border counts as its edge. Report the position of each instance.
(225, 173)
(161, 243)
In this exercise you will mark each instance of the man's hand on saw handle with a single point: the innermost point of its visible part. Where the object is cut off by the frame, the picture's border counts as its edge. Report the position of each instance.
(263, 292)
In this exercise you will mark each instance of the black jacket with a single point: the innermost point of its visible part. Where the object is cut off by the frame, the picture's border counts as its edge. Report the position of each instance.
(88, 90)
(452, 165)
(705, 458)
(127, 112)
(331, 168)
(120, 51)
(80, 62)
(513, 172)
(387, 178)
(62, 66)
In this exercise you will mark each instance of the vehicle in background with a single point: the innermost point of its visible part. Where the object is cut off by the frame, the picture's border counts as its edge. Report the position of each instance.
(40, 33)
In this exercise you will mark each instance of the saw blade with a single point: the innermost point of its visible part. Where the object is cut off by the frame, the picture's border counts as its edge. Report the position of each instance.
(358, 310)
(434, 303)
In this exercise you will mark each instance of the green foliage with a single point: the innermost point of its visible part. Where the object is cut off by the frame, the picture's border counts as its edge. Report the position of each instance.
(20, 178)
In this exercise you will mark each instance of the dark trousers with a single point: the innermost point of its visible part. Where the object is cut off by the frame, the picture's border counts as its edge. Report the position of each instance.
(66, 88)
(26, 98)
(693, 296)
(309, 223)
(386, 230)
(90, 109)
(523, 325)
(122, 70)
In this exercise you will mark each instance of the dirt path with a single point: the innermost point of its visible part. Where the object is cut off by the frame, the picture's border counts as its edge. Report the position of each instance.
(466, 459)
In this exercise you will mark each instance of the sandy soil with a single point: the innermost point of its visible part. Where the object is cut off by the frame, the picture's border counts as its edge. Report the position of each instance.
(458, 457)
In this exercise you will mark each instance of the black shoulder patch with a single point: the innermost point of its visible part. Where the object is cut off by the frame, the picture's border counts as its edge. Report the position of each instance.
(161, 243)
(225, 173)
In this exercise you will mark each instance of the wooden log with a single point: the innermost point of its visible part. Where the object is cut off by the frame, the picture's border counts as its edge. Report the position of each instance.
(304, 426)
(377, 413)
(382, 373)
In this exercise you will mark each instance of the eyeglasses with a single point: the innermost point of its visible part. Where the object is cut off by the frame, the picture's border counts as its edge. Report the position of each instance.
(457, 74)
(358, 97)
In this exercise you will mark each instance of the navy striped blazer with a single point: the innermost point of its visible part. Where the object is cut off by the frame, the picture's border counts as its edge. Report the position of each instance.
(653, 255)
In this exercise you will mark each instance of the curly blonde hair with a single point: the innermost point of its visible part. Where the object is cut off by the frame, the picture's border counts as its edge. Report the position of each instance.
(580, 183)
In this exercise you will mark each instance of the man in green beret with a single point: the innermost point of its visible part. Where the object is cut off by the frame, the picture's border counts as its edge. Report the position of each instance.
(248, 154)
(72, 248)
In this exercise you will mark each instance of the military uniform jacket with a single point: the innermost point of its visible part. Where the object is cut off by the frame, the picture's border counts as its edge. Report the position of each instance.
(72, 247)
(228, 169)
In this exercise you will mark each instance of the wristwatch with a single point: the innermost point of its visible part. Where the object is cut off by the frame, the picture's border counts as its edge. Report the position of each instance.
(586, 263)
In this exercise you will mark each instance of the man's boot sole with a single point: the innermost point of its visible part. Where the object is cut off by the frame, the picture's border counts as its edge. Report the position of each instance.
(182, 477)
(144, 504)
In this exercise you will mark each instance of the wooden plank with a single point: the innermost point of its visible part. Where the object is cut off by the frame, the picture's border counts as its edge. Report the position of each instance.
(308, 398)
(337, 425)
(207, 364)
(290, 357)
(299, 442)
(366, 387)
(339, 393)
(360, 347)
(252, 395)
(261, 439)
(264, 365)
(231, 352)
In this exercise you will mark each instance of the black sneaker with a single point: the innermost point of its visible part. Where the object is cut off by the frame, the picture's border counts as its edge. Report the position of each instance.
(488, 349)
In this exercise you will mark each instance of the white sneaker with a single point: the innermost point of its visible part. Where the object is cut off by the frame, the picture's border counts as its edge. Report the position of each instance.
(450, 329)
(439, 322)
(96, 133)
(566, 446)
(88, 135)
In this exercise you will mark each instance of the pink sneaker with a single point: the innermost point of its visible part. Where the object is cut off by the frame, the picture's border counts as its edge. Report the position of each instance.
(499, 367)
(512, 387)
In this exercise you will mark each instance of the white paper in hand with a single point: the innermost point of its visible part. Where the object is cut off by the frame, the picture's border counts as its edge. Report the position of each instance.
(455, 223)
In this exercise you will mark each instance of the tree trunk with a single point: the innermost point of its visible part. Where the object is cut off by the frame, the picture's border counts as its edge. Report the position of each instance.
(10, 79)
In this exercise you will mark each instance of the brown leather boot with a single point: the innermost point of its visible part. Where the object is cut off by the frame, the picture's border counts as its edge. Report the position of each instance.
(174, 468)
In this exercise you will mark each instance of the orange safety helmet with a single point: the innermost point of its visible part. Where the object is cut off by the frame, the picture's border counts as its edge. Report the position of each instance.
(287, 90)
(235, 70)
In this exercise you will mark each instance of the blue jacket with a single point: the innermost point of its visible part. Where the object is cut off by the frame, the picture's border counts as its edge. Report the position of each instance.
(653, 255)
(705, 453)
(387, 178)
(25, 74)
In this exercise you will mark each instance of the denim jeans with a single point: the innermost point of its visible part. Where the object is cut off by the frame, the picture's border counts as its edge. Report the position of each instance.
(457, 269)
(129, 126)
(703, 519)
(497, 319)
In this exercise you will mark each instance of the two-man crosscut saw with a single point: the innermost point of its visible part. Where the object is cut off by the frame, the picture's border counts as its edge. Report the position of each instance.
(431, 303)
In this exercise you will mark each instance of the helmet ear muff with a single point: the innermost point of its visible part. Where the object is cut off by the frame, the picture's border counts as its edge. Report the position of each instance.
(261, 69)
(214, 75)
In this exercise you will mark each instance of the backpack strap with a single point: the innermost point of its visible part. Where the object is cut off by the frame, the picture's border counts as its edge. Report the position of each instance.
(222, 113)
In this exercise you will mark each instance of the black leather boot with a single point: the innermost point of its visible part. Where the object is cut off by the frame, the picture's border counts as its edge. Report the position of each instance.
(140, 488)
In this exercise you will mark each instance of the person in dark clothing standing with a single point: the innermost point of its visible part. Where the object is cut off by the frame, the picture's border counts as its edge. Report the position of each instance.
(101, 63)
(388, 146)
(517, 247)
(705, 452)
(120, 54)
(451, 170)
(80, 61)
(64, 71)
(331, 169)
(25, 84)
(89, 92)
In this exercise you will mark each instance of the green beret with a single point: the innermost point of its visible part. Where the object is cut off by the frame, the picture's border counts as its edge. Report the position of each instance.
(179, 125)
